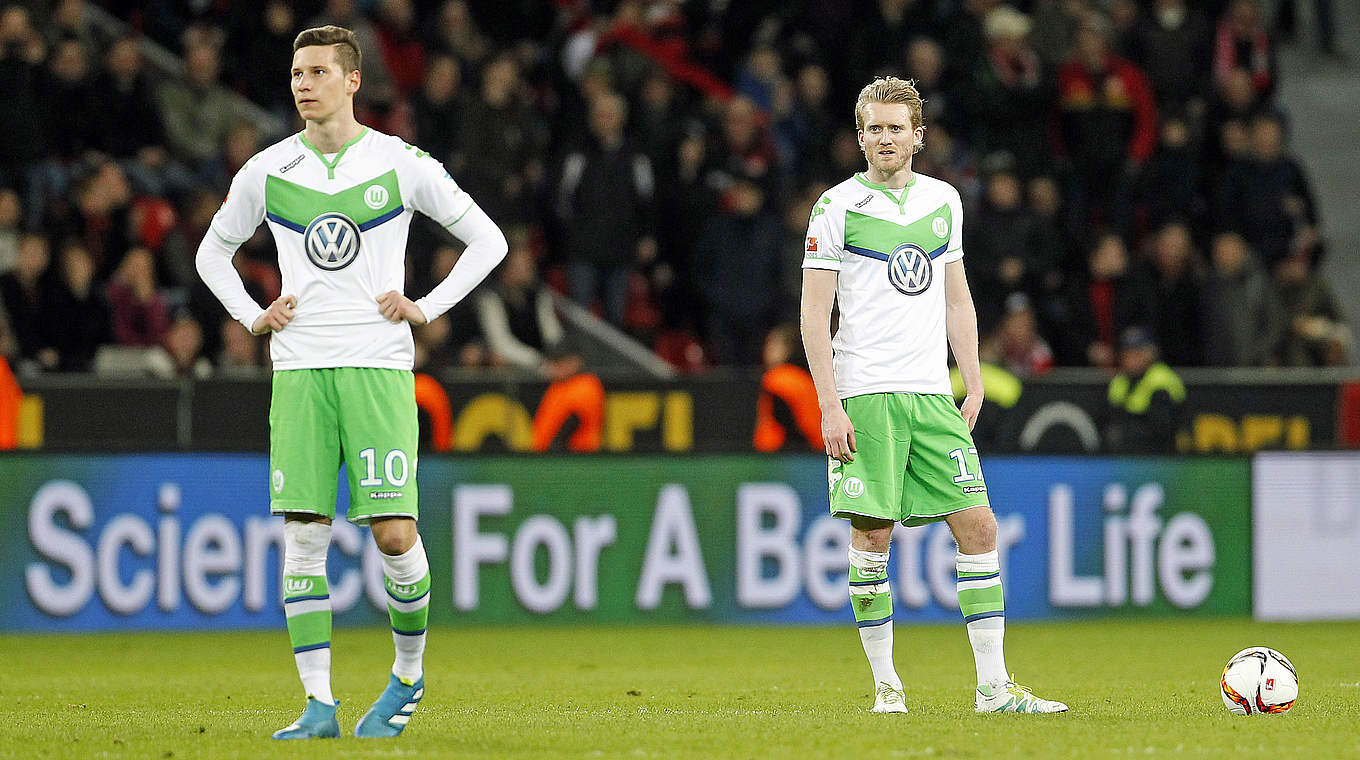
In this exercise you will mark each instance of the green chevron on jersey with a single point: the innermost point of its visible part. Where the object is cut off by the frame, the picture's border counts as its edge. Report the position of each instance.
(363, 203)
(883, 235)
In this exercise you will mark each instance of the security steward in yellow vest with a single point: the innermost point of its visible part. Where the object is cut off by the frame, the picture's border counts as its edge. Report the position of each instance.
(1145, 399)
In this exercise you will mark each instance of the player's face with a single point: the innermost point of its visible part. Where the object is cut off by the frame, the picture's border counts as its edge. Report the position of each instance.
(887, 138)
(320, 85)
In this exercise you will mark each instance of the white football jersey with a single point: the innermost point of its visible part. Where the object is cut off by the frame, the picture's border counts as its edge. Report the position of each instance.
(340, 224)
(890, 248)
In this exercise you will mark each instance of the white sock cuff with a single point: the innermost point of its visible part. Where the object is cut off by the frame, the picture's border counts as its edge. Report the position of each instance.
(304, 547)
(869, 563)
(408, 567)
(988, 562)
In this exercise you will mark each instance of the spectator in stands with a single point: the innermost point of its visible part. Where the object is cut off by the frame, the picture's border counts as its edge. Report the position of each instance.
(71, 120)
(11, 214)
(877, 39)
(242, 356)
(1172, 44)
(601, 247)
(459, 343)
(139, 313)
(1005, 246)
(25, 294)
(22, 53)
(1242, 312)
(70, 21)
(455, 32)
(179, 353)
(240, 143)
(741, 280)
(265, 48)
(746, 148)
(517, 317)
(127, 128)
(1317, 333)
(1268, 198)
(1145, 399)
(1241, 42)
(1106, 302)
(812, 89)
(196, 112)
(79, 321)
(1169, 185)
(1007, 96)
(1055, 29)
(926, 64)
(501, 166)
(439, 107)
(1016, 343)
(1107, 126)
(100, 216)
(1176, 284)
(400, 47)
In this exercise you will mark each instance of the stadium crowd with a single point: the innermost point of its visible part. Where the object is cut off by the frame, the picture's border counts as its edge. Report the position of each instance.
(1123, 164)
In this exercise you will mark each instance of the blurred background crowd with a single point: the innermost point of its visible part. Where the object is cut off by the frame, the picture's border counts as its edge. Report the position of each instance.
(1123, 163)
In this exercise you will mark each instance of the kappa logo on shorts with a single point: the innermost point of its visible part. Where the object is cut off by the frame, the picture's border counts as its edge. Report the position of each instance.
(975, 489)
(278, 481)
(385, 495)
(854, 487)
(297, 585)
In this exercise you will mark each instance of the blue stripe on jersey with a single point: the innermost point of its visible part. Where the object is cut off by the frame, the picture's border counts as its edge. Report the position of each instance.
(938, 251)
(294, 226)
(374, 222)
(867, 252)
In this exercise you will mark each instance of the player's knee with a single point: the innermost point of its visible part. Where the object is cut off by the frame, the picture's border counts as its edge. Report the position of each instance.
(395, 536)
(870, 534)
(975, 531)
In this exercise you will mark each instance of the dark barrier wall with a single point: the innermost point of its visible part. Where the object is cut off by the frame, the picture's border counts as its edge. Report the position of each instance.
(184, 541)
(1222, 414)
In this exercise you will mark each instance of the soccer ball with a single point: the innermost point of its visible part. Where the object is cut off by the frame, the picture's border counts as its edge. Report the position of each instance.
(1259, 680)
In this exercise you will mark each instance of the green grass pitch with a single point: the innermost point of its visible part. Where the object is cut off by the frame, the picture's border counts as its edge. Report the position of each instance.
(1145, 689)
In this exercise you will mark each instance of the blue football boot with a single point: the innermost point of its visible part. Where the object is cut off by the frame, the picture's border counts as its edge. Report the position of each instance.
(317, 722)
(390, 714)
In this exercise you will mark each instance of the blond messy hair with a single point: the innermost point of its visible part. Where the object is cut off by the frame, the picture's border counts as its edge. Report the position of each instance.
(892, 90)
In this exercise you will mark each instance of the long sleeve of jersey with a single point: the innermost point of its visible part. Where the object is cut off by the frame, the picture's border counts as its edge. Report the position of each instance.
(437, 196)
(232, 225)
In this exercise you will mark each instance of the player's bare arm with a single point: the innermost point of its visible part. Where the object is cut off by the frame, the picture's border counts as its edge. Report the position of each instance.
(960, 322)
(396, 307)
(276, 317)
(819, 293)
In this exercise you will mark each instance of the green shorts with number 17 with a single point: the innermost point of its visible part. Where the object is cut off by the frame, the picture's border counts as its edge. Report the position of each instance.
(363, 417)
(915, 462)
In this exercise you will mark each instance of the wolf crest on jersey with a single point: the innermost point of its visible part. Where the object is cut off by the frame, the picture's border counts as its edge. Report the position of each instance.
(890, 250)
(340, 225)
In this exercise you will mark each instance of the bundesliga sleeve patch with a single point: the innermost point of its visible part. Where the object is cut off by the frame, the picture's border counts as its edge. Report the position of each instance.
(812, 245)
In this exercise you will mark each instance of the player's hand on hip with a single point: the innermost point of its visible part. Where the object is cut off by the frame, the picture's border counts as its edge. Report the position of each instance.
(970, 408)
(276, 317)
(395, 307)
(838, 433)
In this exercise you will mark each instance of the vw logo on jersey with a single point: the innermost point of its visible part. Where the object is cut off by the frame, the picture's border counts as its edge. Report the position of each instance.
(910, 270)
(331, 241)
(375, 196)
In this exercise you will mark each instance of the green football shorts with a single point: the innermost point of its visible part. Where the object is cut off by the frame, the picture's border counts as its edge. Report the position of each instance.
(915, 463)
(359, 416)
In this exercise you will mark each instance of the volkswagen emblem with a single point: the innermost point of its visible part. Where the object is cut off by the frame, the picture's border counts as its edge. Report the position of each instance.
(331, 241)
(910, 270)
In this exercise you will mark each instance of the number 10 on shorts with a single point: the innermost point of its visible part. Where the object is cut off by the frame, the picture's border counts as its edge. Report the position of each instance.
(395, 467)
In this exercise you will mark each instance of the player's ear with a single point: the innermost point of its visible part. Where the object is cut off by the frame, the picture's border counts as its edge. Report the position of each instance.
(859, 137)
(352, 82)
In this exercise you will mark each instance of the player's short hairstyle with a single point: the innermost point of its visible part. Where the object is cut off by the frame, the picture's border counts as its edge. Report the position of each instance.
(892, 90)
(346, 44)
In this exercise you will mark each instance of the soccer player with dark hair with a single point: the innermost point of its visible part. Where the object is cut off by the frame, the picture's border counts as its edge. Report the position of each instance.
(887, 245)
(338, 198)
